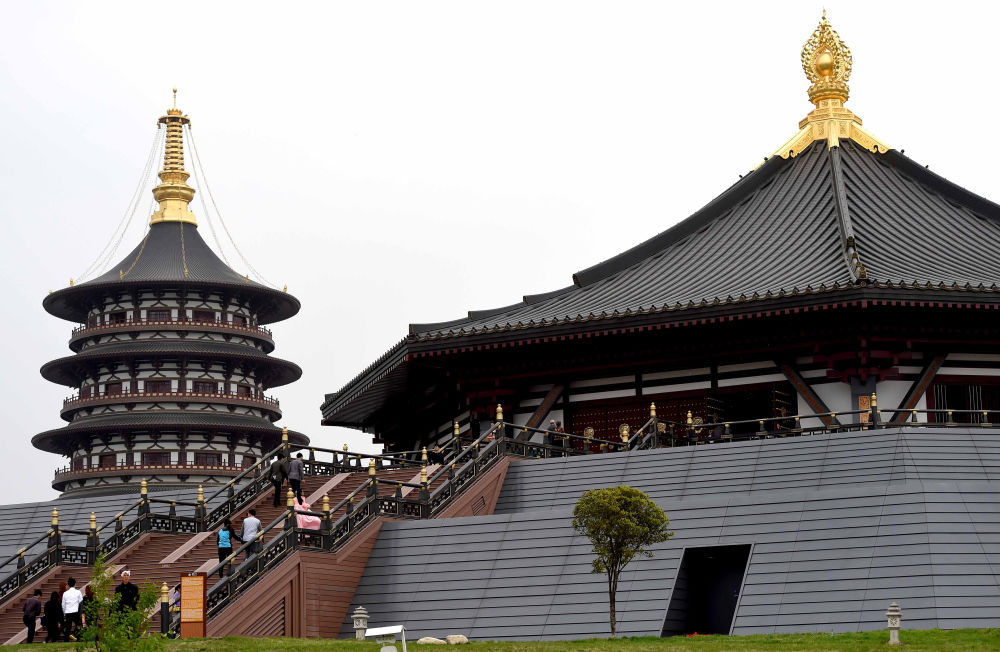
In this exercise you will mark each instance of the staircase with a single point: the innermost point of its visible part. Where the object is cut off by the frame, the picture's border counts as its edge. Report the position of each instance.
(145, 556)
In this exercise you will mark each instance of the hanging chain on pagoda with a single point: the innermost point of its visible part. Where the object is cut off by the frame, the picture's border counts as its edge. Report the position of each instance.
(222, 221)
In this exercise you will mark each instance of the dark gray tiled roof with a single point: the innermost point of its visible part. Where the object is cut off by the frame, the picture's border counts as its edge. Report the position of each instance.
(827, 221)
(840, 526)
(777, 233)
(58, 439)
(273, 371)
(24, 522)
(159, 261)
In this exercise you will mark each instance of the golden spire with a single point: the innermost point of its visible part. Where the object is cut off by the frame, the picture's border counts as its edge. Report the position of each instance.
(174, 193)
(827, 63)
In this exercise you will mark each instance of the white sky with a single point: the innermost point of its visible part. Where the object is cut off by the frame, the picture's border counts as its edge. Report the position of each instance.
(407, 162)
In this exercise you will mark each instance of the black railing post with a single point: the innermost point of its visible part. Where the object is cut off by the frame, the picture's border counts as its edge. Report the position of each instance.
(398, 497)
(875, 419)
(372, 480)
(20, 558)
(290, 515)
(326, 525)
(425, 495)
(164, 609)
(143, 498)
(500, 423)
(54, 534)
(93, 541)
(199, 512)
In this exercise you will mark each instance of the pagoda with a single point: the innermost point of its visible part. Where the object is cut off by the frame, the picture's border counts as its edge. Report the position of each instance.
(837, 269)
(171, 359)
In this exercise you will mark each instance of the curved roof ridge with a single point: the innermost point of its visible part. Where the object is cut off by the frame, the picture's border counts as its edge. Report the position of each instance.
(717, 207)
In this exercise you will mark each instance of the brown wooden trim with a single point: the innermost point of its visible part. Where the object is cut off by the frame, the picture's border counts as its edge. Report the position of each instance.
(811, 398)
(544, 408)
(918, 388)
(481, 498)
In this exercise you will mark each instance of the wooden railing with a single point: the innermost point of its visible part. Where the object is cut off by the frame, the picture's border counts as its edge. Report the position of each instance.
(142, 516)
(84, 329)
(134, 397)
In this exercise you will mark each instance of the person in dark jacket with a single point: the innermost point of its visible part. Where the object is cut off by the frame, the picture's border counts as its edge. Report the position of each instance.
(226, 538)
(436, 456)
(128, 593)
(278, 471)
(296, 469)
(53, 618)
(32, 610)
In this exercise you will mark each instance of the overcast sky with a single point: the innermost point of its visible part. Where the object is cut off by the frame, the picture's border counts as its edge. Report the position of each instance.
(407, 162)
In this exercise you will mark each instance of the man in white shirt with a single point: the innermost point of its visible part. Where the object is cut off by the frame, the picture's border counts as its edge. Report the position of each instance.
(71, 610)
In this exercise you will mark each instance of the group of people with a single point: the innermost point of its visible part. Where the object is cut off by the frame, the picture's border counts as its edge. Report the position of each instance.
(282, 470)
(64, 615)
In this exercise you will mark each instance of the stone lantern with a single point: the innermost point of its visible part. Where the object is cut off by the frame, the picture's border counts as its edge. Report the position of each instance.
(360, 617)
(895, 617)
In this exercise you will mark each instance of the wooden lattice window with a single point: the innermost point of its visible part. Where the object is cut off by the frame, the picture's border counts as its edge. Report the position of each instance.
(157, 386)
(208, 459)
(203, 315)
(108, 460)
(156, 459)
(205, 387)
(112, 389)
(158, 314)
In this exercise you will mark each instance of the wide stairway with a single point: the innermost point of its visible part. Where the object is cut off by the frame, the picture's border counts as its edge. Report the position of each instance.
(145, 557)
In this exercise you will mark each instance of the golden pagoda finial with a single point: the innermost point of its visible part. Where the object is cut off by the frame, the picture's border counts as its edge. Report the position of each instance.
(827, 63)
(175, 88)
(173, 193)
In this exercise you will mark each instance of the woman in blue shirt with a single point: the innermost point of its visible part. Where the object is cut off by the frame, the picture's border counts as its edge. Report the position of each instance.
(226, 538)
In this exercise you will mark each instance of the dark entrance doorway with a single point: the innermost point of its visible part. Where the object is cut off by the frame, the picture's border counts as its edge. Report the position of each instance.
(706, 590)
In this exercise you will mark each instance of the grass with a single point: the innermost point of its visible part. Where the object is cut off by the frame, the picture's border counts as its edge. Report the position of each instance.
(931, 640)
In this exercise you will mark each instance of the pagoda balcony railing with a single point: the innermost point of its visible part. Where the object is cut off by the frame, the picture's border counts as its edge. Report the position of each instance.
(87, 330)
(68, 473)
(232, 398)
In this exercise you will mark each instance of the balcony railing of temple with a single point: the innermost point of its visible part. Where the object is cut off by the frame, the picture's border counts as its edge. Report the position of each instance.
(111, 326)
(67, 473)
(99, 398)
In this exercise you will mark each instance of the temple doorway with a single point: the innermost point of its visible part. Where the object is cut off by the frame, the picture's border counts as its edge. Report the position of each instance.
(707, 590)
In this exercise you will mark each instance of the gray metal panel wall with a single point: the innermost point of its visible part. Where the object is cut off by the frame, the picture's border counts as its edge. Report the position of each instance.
(813, 462)
(912, 518)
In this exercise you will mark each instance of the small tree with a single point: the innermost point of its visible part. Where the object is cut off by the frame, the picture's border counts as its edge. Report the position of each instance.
(621, 522)
(111, 627)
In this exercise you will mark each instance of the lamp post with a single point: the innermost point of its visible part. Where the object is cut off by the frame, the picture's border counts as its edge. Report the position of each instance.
(360, 617)
(895, 617)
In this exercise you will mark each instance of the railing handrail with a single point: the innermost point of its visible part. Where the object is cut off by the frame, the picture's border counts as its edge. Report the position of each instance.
(94, 396)
(141, 467)
(282, 447)
(129, 322)
(392, 456)
(26, 548)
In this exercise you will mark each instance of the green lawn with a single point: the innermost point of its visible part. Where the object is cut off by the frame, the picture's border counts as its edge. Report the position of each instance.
(933, 640)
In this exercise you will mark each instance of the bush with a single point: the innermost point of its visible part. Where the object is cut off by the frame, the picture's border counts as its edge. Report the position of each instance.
(112, 628)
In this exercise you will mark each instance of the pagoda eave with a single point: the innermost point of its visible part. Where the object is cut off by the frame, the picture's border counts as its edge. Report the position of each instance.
(74, 303)
(71, 370)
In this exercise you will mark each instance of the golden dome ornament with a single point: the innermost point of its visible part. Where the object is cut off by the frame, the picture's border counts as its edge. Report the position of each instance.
(827, 62)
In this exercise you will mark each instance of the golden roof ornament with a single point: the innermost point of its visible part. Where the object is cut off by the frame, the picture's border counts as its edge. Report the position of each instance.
(173, 193)
(827, 63)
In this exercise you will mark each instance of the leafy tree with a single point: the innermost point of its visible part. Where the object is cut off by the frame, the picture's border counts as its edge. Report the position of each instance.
(621, 522)
(111, 627)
